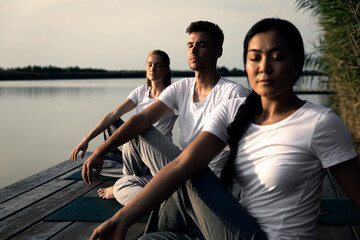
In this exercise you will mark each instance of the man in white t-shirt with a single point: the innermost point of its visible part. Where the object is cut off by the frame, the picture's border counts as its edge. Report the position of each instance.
(193, 98)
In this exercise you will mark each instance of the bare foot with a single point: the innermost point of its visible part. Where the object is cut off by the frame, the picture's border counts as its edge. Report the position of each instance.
(106, 193)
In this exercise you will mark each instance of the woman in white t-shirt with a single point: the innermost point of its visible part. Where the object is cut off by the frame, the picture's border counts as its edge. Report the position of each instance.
(280, 149)
(158, 77)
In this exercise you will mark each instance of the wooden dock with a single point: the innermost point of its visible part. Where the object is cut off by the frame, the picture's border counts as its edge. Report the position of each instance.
(25, 205)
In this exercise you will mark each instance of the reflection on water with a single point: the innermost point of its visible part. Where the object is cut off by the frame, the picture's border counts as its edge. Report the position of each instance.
(42, 121)
(63, 88)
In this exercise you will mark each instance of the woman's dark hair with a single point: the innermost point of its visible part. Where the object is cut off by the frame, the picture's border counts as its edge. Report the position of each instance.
(166, 61)
(252, 105)
(288, 31)
(210, 28)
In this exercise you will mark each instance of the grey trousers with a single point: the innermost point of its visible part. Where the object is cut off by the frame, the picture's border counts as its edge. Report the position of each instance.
(142, 158)
(201, 209)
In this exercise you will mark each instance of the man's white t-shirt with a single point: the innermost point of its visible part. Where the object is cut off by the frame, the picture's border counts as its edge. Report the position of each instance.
(192, 115)
(281, 166)
(140, 96)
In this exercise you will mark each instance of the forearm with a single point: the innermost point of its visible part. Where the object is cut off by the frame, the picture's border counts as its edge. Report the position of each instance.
(100, 127)
(110, 118)
(128, 131)
(136, 125)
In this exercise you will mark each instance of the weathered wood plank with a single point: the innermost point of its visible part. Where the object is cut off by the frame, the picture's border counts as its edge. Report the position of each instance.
(35, 180)
(20, 221)
(77, 231)
(83, 230)
(42, 230)
(28, 198)
(74, 232)
(47, 229)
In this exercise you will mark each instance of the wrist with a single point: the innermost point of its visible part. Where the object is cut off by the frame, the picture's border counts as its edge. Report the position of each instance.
(98, 152)
(86, 139)
(121, 218)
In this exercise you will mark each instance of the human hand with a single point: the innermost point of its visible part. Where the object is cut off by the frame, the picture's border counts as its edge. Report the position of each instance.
(82, 146)
(110, 229)
(93, 162)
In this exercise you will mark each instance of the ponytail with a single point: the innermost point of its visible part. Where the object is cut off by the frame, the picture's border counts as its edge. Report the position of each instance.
(236, 130)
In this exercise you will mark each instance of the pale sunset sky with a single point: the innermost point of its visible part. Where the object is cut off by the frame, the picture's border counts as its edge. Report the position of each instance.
(118, 34)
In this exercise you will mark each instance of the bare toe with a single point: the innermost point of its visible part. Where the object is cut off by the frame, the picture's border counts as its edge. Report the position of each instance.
(106, 193)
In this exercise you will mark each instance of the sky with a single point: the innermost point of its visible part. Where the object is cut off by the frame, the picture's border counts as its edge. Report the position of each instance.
(118, 34)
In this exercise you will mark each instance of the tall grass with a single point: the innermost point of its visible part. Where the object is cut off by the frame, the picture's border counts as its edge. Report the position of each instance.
(339, 55)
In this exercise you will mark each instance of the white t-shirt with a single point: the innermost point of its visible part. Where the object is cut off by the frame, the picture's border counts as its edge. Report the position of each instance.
(192, 115)
(140, 96)
(281, 166)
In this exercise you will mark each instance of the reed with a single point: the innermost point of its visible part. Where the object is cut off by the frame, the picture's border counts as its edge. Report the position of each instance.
(338, 55)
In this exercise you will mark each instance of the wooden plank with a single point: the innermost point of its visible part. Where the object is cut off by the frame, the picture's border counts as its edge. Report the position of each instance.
(35, 180)
(83, 230)
(30, 216)
(42, 230)
(77, 230)
(31, 197)
(47, 229)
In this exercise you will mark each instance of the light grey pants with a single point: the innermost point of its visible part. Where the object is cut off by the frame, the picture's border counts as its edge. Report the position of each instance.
(142, 158)
(202, 209)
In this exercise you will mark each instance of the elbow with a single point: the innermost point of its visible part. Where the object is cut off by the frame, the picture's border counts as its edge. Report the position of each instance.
(139, 122)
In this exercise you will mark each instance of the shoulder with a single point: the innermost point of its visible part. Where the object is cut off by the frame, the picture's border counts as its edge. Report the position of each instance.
(314, 111)
(185, 82)
(222, 116)
(228, 108)
(141, 88)
(233, 87)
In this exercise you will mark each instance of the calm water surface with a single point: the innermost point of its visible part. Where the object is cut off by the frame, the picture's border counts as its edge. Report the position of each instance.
(42, 121)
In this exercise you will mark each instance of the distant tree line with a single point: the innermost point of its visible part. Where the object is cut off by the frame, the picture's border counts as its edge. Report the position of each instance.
(52, 72)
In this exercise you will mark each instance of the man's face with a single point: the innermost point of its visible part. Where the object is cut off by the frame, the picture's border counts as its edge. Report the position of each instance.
(201, 52)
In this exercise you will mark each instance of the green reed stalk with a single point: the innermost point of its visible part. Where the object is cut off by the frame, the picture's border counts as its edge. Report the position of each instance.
(339, 55)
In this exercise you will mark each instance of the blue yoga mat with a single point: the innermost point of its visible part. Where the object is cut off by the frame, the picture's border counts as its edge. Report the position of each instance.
(88, 209)
(77, 176)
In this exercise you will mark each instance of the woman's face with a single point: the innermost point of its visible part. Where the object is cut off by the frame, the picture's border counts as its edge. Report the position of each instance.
(270, 64)
(155, 68)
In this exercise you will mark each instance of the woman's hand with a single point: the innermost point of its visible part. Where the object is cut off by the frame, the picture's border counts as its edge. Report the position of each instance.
(110, 229)
(82, 146)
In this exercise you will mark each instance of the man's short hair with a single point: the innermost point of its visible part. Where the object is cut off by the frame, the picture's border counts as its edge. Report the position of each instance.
(210, 28)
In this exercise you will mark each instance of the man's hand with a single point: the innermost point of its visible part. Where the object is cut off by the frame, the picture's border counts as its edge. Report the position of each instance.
(111, 229)
(93, 162)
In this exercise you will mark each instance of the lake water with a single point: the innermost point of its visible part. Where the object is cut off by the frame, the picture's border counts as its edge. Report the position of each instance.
(42, 121)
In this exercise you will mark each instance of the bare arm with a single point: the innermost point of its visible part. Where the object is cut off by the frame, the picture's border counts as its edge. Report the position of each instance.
(348, 175)
(129, 130)
(194, 159)
(105, 122)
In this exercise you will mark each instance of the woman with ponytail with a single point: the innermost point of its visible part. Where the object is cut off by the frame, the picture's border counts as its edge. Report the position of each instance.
(280, 146)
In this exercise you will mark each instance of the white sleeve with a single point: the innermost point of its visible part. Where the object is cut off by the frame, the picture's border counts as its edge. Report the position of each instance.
(240, 92)
(221, 117)
(331, 141)
(170, 94)
(136, 93)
